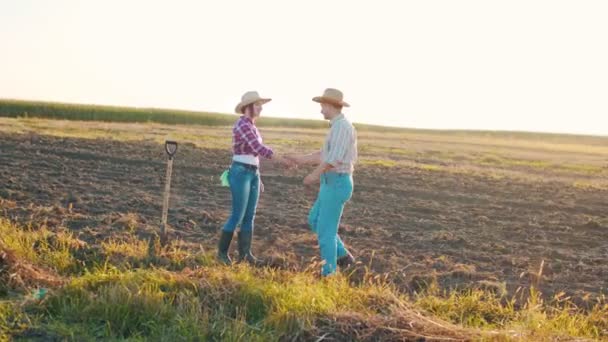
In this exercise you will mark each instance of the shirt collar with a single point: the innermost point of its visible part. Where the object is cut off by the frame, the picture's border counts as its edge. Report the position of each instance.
(246, 118)
(335, 119)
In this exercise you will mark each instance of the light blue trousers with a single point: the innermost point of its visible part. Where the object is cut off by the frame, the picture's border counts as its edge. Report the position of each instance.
(324, 217)
(245, 189)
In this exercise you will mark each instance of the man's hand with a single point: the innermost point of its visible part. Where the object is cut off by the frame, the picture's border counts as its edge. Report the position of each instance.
(293, 161)
(306, 159)
(315, 176)
(311, 179)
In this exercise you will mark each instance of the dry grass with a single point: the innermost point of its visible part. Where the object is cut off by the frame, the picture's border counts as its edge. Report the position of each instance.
(209, 301)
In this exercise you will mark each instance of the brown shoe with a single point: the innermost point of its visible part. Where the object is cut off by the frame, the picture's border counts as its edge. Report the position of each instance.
(346, 260)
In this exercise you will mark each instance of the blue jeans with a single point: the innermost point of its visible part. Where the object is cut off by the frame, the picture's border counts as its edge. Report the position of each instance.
(245, 189)
(324, 217)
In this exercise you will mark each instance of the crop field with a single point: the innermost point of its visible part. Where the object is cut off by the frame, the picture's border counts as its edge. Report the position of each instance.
(432, 211)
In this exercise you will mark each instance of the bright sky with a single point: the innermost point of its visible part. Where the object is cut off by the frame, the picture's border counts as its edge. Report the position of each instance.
(508, 65)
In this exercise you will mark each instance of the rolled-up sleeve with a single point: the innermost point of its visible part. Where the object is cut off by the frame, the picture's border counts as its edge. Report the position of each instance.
(250, 135)
(340, 140)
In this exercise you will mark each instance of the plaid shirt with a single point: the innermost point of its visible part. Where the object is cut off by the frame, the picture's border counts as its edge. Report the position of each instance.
(246, 139)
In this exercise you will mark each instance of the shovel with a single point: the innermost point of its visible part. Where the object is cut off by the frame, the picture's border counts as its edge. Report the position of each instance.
(171, 149)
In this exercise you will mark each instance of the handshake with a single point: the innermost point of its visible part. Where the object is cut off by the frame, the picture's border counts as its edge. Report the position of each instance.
(292, 161)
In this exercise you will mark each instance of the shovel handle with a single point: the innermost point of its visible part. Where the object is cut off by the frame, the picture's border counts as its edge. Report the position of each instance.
(171, 148)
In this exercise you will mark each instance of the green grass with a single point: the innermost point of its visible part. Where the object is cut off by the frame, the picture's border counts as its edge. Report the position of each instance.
(496, 160)
(85, 112)
(378, 162)
(535, 319)
(582, 168)
(429, 167)
(201, 300)
(586, 185)
(40, 246)
(210, 303)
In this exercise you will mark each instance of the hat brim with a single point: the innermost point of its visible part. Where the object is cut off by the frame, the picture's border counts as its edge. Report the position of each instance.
(240, 106)
(332, 101)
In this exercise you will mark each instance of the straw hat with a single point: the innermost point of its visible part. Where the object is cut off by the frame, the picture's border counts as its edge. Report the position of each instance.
(249, 98)
(332, 96)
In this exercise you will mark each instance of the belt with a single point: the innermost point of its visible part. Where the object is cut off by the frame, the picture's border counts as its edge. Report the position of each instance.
(327, 175)
(247, 166)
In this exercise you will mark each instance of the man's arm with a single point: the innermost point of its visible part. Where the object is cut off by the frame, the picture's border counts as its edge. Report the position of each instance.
(307, 159)
(315, 176)
(341, 137)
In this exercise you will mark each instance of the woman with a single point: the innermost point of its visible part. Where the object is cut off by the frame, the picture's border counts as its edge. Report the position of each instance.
(244, 177)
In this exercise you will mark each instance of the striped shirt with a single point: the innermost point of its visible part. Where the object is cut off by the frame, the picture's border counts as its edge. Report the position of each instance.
(247, 140)
(340, 147)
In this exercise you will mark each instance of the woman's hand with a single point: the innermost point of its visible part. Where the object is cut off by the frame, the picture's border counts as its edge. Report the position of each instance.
(286, 160)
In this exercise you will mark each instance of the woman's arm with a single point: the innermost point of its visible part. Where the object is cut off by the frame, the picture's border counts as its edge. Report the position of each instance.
(250, 136)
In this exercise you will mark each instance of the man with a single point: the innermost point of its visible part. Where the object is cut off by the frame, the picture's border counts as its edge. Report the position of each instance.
(334, 173)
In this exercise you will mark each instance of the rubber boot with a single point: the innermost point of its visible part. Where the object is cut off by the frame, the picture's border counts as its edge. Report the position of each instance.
(223, 247)
(244, 240)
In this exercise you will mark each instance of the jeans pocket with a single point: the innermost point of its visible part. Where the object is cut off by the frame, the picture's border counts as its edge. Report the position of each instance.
(345, 187)
(235, 173)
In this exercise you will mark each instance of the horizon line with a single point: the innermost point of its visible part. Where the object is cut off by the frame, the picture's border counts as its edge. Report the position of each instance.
(370, 125)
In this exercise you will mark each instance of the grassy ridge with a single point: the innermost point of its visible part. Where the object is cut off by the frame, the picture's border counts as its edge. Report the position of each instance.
(174, 295)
